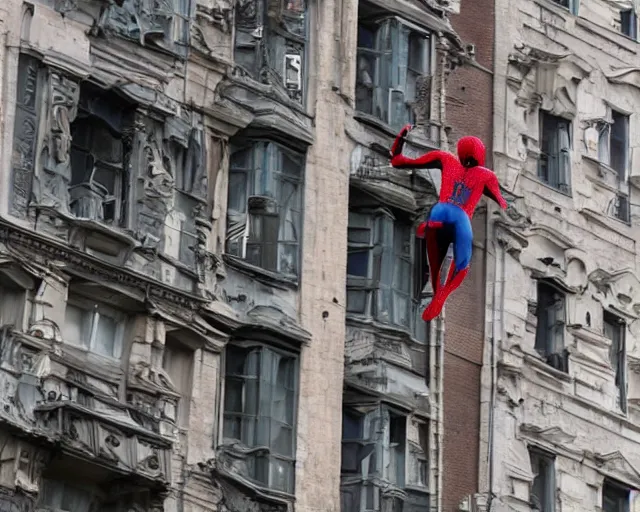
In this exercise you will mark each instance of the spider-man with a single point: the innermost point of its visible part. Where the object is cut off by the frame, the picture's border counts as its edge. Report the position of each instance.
(464, 181)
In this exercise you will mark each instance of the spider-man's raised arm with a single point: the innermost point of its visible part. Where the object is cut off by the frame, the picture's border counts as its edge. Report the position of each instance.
(492, 189)
(431, 160)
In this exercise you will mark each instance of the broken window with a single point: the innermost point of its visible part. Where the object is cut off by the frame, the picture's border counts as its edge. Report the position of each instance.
(543, 488)
(94, 327)
(554, 167)
(61, 496)
(393, 68)
(615, 497)
(629, 23)
(177, 361)
(259, 410)
(615, 330)
(97, 186)
(377, 447)
(383, 279)
(550, 313)
(270, 41)
(265, 206)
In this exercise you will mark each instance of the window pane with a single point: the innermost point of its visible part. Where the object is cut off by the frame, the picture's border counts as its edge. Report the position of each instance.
(281, 475)
(77, 326)
(106, 333)
(358, 263)
(238, 191)
(359, 235)
(356, 301)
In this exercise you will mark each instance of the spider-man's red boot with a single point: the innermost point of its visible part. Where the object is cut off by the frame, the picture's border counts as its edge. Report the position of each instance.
(440, 297)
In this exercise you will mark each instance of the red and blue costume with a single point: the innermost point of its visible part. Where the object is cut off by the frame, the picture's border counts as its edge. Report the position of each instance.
(464, 181)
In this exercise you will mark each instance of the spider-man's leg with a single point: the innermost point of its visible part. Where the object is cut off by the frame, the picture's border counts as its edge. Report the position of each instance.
(462, 249)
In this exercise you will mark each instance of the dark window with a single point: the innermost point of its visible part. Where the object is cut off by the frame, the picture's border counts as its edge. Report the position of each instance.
(615, 497)
(270, 41)
(550, 313)
(383, 433)
(259, 410)
(615, 330)
(264, 216)
(386, 270)
(619, 147)
(563, 3)
(393, 68)
(97, 186)
(554, 167)
(543, 487)
(629, 23)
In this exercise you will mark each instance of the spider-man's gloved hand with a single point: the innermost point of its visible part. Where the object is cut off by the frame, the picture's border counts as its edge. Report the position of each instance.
(396, 149)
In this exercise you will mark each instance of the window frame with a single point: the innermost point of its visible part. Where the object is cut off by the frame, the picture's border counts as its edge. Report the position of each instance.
(558, 179)
(385, 256)
(253, 172)
(548, 349)
(391, 27)
(120, 319)
(615, 488)
(549, 479)
(249, 346)
(619, 352)
(629, 23)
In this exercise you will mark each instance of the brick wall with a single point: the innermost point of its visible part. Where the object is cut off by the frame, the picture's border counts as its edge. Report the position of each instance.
(469, 112)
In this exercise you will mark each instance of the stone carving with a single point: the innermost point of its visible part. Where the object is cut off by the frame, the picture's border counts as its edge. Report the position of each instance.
(25, 134)
(148, 22)
(51, 185)
(15, 501)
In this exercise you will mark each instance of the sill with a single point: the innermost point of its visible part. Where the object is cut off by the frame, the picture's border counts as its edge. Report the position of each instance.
(542, 367)
(361, 320)
(551, 187)
(260, 274)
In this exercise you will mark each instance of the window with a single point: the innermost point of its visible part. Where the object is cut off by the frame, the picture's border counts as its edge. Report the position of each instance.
(613, 150)
(97, 158)
(259, 410)
(270, 41)
(265, 206)
(385, 270)
(615, 330)
(572, 5)
(543, 487)
(177, 361)
(615, 497)
(94, 327)
(550, 313)
(629, 23)
(377, 447)
(392, 59)
(61, 496)
(554, 167)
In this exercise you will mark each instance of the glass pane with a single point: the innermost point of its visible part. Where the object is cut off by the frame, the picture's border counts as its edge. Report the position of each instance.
(281, 439)
(356, 301)
(238, 192)
(77, 326)
(281, 475)
(288, 258)
(358, 263)
(106, 333)
(359, 235)
(233, 389)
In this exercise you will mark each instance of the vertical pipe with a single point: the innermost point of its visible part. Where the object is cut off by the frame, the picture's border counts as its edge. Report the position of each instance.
(440, 423)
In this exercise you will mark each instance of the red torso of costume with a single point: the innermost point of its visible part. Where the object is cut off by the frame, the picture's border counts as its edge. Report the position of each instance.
(463, 186)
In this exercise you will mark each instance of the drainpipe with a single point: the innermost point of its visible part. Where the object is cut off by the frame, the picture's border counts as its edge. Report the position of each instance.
(443, 99)
(439, 346)
(497, 329)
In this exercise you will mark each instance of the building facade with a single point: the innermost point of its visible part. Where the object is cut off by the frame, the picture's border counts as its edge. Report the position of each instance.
(188, 294)
(171, 340)
(560, 379)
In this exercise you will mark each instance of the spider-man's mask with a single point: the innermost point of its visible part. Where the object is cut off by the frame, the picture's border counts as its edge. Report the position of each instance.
(471, 151)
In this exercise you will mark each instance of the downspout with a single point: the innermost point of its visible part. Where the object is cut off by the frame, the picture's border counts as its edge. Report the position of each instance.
(440, 422)
(444, 144)
(497, 329)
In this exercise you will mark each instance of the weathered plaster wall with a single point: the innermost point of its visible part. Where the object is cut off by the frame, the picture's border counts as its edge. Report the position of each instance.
(578, 68)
